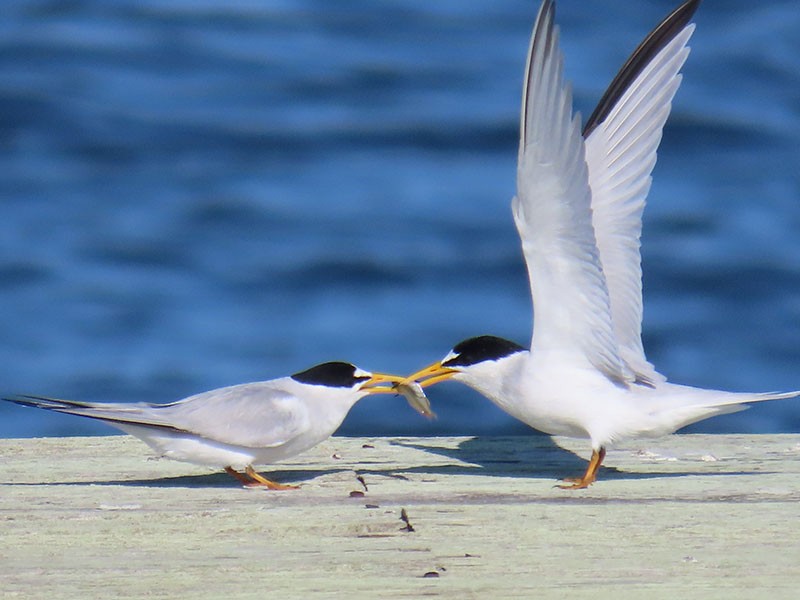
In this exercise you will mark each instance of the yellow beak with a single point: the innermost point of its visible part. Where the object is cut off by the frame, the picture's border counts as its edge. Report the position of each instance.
(374, 385)
(431, 374)
(399, 385)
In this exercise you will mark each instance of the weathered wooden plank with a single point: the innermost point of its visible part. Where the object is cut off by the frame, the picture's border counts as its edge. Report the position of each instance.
(708, 516)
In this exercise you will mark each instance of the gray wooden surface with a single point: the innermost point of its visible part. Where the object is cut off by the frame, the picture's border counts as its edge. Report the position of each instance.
(680, 517)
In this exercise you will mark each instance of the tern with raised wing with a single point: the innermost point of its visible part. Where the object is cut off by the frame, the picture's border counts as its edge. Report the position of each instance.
(578, 211)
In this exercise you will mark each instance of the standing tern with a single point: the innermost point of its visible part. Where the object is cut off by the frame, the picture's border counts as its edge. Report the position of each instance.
(239, 426)
(578, 211)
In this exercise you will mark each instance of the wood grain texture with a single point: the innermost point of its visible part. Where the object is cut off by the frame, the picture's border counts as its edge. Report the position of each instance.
(703, 516)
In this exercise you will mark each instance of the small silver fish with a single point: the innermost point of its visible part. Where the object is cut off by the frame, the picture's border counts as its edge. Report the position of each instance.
(414, 394)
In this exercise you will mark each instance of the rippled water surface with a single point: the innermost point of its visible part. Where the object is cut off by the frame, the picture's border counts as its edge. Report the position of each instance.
(197, 194)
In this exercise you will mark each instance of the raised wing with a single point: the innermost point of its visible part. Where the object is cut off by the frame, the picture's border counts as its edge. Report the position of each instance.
(622, 137)
(552, 211)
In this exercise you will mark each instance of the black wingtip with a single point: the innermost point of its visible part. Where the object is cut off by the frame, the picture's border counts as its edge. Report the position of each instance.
(25, 400)
(78, 409)
(545, 20)
(662, 35)
(46, 403)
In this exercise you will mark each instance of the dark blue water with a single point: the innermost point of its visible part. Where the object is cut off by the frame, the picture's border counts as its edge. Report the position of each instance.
(197, 194)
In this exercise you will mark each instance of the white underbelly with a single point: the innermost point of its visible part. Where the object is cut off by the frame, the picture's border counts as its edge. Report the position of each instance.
(201, 451)
(574, 404)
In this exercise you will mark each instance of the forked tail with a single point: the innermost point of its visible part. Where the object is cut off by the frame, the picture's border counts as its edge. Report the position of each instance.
(695, 404)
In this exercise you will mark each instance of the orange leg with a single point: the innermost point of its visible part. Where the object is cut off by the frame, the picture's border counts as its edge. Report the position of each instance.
(242, 478)
(252, 479)
(261, 480)
(591, 472)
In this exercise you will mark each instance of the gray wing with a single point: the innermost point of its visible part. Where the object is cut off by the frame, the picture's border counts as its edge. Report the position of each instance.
(252, 414)
(553, 215)
(257, 415)
(622, 136)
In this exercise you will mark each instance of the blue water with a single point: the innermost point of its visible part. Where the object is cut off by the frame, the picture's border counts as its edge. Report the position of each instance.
(197, 194)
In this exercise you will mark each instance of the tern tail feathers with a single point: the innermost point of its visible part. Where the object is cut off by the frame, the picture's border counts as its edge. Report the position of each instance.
(683, 405)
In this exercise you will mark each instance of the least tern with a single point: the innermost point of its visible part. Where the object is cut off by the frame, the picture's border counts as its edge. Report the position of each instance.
(239, 426)
(578, 211)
